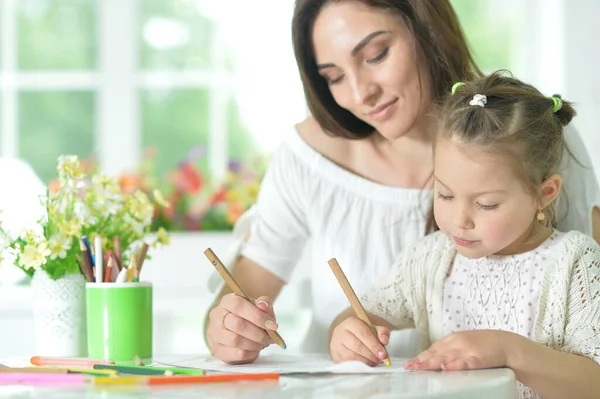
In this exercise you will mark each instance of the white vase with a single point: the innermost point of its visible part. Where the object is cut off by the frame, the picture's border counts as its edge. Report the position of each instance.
(59, 315)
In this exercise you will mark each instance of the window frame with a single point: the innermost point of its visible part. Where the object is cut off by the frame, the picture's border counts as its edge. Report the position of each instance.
(118, 82)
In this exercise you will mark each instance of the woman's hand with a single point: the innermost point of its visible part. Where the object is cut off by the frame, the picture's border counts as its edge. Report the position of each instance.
(467, 350)
(236, 331)
(352, 339)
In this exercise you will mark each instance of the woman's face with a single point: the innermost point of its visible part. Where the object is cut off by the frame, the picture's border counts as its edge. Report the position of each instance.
(371, 63)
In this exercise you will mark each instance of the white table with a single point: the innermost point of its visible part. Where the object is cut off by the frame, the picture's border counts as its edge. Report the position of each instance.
(479, 384)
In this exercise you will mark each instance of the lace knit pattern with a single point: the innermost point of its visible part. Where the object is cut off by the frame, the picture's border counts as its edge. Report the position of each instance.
(568, 315)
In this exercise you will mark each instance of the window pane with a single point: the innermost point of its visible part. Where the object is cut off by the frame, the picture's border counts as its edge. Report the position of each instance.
(56, 34)
(52, 124)
(173, 124)
(242, 145)
(174, 35)
(494, 31)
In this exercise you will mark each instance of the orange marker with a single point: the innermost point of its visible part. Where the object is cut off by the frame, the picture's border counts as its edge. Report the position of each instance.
(60, 361)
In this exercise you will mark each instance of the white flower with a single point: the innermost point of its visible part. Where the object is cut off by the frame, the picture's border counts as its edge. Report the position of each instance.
(59, 245)
(83, 213)
(69, 167)
(105, 207)
(140, 207)
(70, 228)
(162, 236)
(160, 199)
(33, 257)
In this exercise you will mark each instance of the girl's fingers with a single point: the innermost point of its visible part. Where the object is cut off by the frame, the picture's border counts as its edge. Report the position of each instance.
(458, 364)
(357, 346)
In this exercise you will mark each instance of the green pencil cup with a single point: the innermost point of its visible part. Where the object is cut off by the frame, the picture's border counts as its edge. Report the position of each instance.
(119, 321)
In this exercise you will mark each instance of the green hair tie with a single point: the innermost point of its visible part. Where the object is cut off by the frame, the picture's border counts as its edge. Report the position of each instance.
(557, 103)
(456, 86)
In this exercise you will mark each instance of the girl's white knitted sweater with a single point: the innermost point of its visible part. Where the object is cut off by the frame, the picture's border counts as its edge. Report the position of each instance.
(567, 316)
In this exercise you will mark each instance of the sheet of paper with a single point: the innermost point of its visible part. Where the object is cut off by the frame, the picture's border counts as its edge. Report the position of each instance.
(283, 364)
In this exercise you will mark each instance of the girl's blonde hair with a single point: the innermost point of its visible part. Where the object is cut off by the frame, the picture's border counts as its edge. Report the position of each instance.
(503, 115)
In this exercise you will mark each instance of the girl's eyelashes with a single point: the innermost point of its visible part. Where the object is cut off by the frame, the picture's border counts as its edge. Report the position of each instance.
(487, 207)
(444, 197)
(480, 206)
(379, 57)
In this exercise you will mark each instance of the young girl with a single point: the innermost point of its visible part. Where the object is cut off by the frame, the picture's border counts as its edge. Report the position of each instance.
(498, 286)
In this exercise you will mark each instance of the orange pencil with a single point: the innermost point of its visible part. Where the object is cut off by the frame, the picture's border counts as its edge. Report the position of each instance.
(109, 267)
(196, 379)
(238, 290)
(354, 302)
(181, 379)
(60, 361)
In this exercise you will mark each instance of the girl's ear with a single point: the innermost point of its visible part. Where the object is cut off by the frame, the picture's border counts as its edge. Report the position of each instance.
(549, 190)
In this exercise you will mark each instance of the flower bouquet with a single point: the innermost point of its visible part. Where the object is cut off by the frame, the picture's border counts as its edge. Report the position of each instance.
(77, 206)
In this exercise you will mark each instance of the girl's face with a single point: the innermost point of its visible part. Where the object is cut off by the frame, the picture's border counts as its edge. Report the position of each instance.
(481, 203)
(371, 62)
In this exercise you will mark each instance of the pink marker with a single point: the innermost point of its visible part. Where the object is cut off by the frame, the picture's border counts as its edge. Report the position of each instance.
(30, 378)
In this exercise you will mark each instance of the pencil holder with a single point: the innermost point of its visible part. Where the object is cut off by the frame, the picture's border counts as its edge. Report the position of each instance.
(119, 320)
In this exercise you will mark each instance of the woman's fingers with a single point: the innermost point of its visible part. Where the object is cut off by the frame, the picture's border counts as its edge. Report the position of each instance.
(231, 355)
(249, 311)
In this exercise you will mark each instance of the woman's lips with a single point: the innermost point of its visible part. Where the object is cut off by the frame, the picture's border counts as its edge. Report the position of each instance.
(384, 111)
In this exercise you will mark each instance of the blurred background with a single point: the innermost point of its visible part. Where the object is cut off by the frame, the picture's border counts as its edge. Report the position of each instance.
(193, 96)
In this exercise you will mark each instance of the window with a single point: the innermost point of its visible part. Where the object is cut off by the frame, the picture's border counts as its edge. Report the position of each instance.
(494, 30)
(113, 77)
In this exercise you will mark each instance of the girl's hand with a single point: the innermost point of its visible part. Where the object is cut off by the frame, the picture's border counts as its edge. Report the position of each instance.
(353, 340)
(467, 350)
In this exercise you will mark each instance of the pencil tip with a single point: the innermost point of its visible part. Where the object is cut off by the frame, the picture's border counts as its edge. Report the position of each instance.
(284, 346)
(388, 363)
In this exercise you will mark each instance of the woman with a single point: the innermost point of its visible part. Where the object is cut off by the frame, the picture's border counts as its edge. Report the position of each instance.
(355, 178)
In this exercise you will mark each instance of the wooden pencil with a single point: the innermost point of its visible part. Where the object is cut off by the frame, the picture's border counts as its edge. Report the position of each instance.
(86, 259)
(141, 256)
(118, 252)
(131, 269)
(353, 299)
(87, 273)
(109, 268)
(238, 290)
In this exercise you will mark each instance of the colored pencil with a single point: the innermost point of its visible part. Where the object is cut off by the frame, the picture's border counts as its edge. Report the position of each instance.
(109, 268)
(55, 370)
(238, 290)
(98, 258)
(142, 256)
(354, 302)
(117, 252)
(131, 269)
(182, 379)
(148, 370)
(86, 272)
(198, 379)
